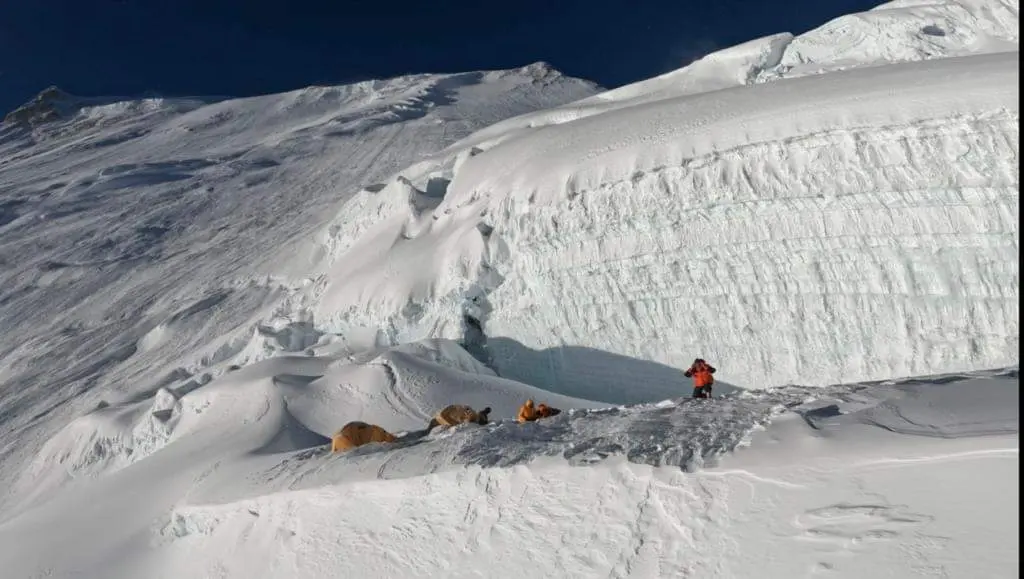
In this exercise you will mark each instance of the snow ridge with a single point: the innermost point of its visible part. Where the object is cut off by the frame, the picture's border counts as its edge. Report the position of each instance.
(912, 31)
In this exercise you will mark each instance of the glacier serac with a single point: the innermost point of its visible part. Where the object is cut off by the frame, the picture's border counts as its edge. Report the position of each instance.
(849, 226)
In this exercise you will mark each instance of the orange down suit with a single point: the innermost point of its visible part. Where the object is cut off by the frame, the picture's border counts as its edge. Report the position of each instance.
(701, 372)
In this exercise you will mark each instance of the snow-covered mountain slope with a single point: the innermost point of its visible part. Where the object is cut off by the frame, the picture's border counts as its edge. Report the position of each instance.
(223, 481)
(196, 293)
(854, 225)
(143, 242)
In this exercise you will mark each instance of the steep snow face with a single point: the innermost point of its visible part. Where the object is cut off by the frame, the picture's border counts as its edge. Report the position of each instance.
(854, 225)
(147, 244)
(865, 230)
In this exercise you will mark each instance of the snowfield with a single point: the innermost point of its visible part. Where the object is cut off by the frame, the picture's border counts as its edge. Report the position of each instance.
(195, 294)
(917, 478)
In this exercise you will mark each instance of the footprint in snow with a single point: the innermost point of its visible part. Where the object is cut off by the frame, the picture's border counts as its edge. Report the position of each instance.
(845, 526)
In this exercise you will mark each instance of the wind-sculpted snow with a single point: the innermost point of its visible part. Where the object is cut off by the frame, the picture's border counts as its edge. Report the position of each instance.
(685, 434)
(240, 463)
(152, 243)
(901, 31)
(928, 407)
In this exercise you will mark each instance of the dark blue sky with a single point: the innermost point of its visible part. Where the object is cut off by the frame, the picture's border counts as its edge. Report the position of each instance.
(245, 47)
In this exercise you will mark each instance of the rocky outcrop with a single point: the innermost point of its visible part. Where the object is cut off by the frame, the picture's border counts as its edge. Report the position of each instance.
(50, 105)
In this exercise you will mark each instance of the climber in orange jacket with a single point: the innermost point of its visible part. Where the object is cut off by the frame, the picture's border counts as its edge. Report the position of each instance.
(701, 372)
